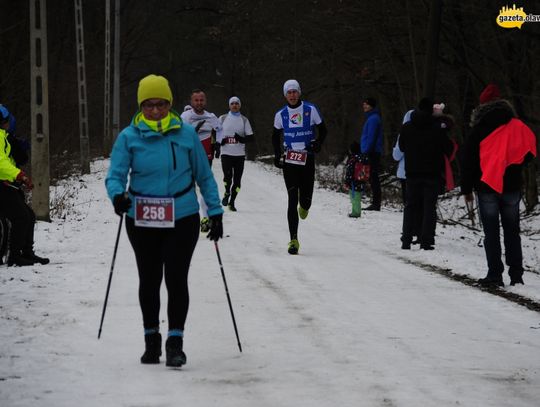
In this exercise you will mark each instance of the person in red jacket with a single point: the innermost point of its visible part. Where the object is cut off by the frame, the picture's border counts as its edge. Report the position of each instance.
(496, 149)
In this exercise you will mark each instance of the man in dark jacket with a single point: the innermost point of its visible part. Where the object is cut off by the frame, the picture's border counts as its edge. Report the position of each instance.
(424, 145)
(497, 137)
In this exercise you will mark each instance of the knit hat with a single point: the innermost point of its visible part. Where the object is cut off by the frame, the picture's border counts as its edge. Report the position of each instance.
(291, 84)
(4, 114)
(154, 87)
(235, 99)
(426, 105)
(491, 92)
(370, 101)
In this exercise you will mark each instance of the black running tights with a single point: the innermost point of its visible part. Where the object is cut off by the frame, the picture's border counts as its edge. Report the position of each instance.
(299, 180)
(166, 251)
(233, 168)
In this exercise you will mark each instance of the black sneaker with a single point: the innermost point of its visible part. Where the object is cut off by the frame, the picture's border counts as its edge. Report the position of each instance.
(19, 260)
(406, 246)
(152, 350)
(35, 258)
(232, 207)
(491, 282)
(173, 348)
(225, 200)
(373, 208)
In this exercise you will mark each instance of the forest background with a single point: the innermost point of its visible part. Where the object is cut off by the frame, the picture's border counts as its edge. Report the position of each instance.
(340, 51)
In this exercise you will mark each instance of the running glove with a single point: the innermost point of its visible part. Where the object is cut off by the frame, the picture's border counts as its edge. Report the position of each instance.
(316, 146)
(239, 139)
(217, 150)
(216, 227)
(121, 203)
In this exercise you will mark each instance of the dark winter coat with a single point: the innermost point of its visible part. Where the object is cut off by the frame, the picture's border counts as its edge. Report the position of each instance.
(424, 144)
(484, 120)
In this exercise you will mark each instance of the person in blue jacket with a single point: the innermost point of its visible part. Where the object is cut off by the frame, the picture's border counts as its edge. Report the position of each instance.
(163, 158)
(371, 142)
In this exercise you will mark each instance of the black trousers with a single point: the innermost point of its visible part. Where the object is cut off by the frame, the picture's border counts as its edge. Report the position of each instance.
(21, 216)
(160, 251)
(233, 168)
(299, 180)
(422, 193)
(374, 181)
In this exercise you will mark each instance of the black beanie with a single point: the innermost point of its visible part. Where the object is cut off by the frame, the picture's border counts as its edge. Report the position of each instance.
(426, 105)
(370, 101)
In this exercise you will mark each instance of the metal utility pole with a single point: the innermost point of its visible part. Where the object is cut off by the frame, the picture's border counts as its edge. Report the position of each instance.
(116, 79)
(39, 108)
(107, 139)
(81, 81)
(432, 54)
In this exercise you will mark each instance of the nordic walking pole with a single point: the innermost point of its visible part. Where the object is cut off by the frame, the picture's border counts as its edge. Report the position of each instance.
(228, 297)
(110, 275)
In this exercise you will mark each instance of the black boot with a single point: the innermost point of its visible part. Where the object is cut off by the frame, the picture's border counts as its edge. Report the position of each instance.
(491, 282)
(32, 256)
(231, 206)
(516, 275)
(152, 350)
(173, 348)
(18, 259)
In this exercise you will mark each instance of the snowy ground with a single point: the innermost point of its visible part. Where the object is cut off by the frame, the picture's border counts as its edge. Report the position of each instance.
(351, 321)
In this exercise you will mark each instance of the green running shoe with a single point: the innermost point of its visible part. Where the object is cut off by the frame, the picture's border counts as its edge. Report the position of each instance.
(293, 246)
(303, 213)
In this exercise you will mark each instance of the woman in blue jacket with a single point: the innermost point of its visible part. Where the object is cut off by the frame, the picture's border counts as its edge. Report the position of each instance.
(163, 158)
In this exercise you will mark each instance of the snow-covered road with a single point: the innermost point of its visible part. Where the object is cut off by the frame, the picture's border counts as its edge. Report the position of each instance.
(345, 323)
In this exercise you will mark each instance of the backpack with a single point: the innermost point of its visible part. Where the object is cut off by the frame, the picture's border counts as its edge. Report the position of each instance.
(357, 171)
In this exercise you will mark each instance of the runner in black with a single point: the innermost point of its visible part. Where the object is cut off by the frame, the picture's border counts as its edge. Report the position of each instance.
(297, 122)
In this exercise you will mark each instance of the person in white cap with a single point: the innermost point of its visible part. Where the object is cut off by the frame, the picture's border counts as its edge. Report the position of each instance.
(236, 131)
(208, 128)
(303, 130)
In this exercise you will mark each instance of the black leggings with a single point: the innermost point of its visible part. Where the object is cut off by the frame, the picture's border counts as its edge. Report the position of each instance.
(233, 168)
(157, 249)
(299, 180)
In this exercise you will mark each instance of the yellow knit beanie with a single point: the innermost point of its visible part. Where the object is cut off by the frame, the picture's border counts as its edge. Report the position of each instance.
(154, 87)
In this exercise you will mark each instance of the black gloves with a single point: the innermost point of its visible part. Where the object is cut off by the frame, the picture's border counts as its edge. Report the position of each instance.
(216, 228)
(121, 203)
(239, 139)
(277, 161)
(217, 150)
(316, 145)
